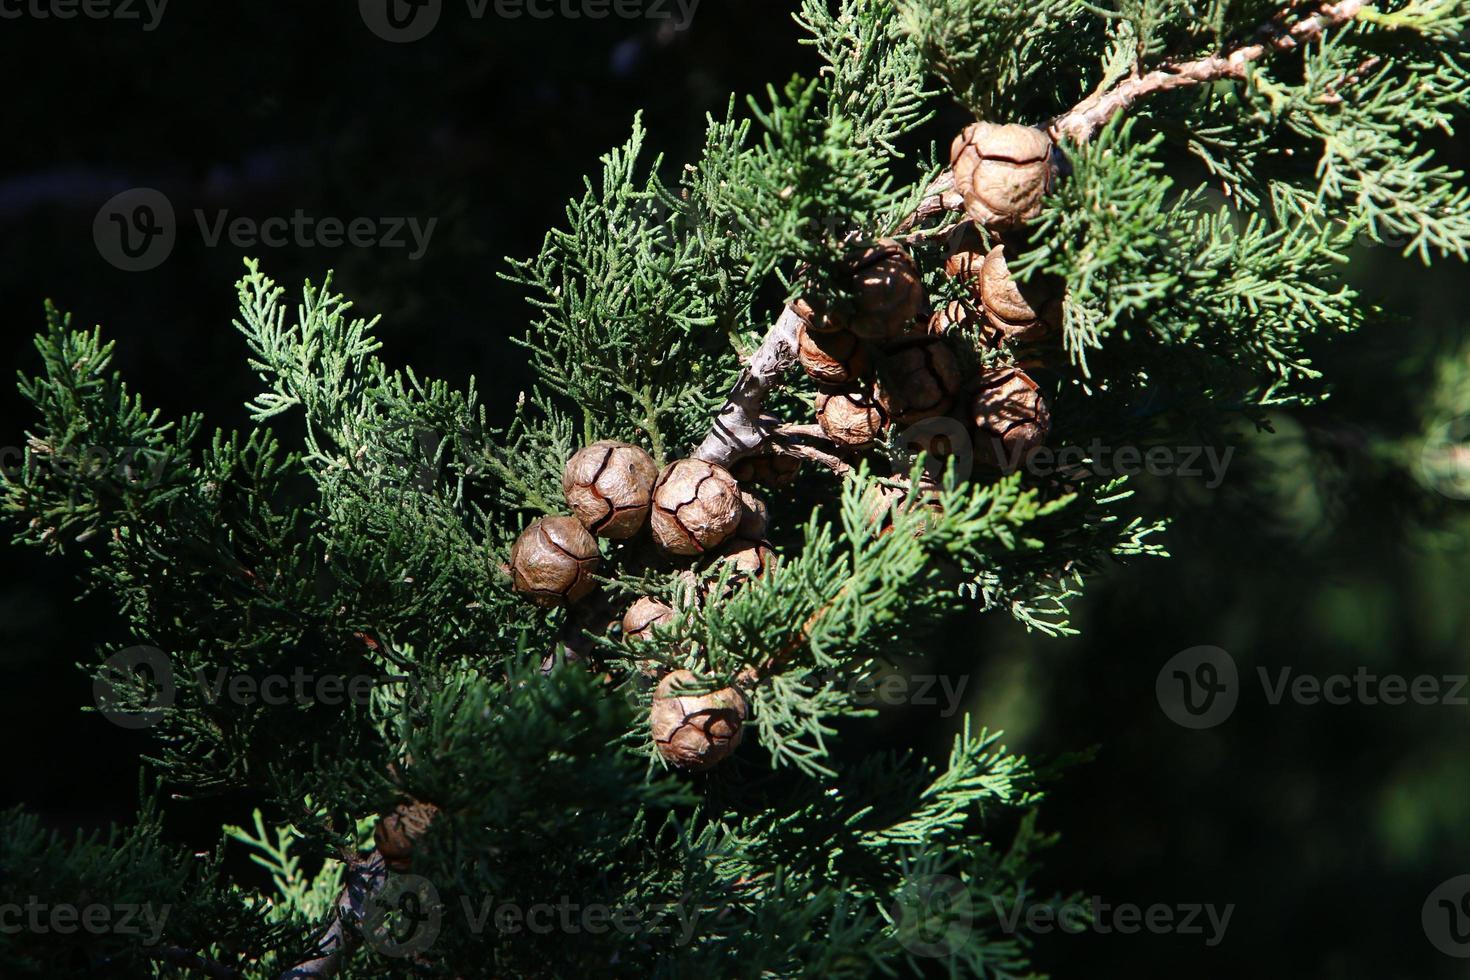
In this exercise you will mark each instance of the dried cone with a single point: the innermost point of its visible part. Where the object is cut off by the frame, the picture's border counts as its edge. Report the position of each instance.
(696, 507)
(750, 557)
(577, 637)
(552, 561)
(767, 470)
(888, 292)
(851, 416)
(1012, 416)
(399, 830)
(920, 380)
(878, 501)
(695, 732)
(964, 255)
(1025, 313)
(956, 317)
(638, 624)
(817, 317)
(882, 503)
(755, 519)
(940, 438)
(609, 487)
(834, 358)
(1002, 172)
(964, 264)
(643, 615)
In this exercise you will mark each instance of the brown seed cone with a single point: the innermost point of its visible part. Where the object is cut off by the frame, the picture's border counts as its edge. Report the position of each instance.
(940, 437)
(833, 358)
(767, 470)
(957, 316)
(1025, 313)
(888, 292)
(964, 264)
(1002, 172)
(609, 486)
(879, 501)
(851, 416)
(639, 622)
(1011, 415)
(399, 830)
(881, 504)
(696, 507)
(817, 316)
(964, 253)
(643, 615)
(919, 381)
(750, 557)
(552, 561)
(576, 638)
(755, 519)
(694, 732)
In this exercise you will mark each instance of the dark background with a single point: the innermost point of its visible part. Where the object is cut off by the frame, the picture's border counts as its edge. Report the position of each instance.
(1326, 826)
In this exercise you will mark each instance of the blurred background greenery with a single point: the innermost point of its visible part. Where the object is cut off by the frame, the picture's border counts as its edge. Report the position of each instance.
(1324, 549)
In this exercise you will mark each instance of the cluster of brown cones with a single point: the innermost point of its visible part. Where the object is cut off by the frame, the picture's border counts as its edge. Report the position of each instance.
(880, 356)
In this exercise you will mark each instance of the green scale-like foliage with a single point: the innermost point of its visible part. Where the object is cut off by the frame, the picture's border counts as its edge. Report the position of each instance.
(1201, 237)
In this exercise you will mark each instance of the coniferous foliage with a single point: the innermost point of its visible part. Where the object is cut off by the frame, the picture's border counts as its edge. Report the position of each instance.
(363, 528)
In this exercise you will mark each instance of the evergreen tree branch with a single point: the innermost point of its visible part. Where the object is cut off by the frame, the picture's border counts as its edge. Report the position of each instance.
(797, 440)
(838, 466)
(738, 430)
(939, 197)
(1083, 121)
(366, 875)
(177, 956)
